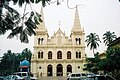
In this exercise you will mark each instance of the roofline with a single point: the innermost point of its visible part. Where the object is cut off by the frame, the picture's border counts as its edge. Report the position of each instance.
(114, 41)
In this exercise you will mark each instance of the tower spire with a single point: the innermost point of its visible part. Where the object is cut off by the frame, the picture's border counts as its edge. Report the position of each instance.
(41, 26)
(76, 26)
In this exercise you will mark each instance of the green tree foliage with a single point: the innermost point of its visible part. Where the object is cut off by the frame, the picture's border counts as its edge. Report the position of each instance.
(113, 56)
(113, 61)
(108, 37)
(103, 65)
(19, 25)
(92, 40)
(92, 64)
(26, 54)
(10, 61)
(110, 64)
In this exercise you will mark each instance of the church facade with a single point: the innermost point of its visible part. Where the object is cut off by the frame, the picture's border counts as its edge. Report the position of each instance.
(60, 54)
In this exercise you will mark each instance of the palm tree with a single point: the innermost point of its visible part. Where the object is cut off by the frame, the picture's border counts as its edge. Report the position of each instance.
(92, 41)
(108, 37)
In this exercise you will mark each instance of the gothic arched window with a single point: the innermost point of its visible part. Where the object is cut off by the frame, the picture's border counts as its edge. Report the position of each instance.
(59, 55)
(68, 55)
(78, 41)
(78, 54)
(40, 54)
(49, 55)
(40, 40)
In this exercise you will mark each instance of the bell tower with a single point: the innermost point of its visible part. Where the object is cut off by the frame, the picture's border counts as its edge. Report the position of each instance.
(41, 32)
(78, 34)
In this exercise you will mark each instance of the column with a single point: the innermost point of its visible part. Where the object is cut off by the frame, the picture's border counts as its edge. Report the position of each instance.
(54, 69)
(64, 69)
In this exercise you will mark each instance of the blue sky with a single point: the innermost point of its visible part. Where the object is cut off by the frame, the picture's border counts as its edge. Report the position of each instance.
(96, 16)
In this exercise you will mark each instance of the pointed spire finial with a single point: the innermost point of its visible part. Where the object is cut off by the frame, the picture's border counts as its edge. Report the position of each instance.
(76, 25)
(41, 13)
(41, 26)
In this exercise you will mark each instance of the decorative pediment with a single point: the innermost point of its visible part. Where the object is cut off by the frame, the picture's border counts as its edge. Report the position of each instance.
(59, 37)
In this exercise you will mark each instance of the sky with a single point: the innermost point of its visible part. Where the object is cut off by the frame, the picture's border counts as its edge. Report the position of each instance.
(96, 16)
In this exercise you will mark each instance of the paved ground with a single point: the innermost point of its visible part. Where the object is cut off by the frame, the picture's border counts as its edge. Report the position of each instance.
(53, 78)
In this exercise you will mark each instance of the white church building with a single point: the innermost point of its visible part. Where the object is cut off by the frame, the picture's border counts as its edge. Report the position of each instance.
(59, 54)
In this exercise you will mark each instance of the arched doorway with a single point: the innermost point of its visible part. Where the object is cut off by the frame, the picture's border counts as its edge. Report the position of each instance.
(69, 69)
(49, 70)
(59, 70)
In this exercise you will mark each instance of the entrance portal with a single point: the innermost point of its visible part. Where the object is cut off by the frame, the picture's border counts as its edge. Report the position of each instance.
(69, 69)
(49, 70)
(59, 70)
